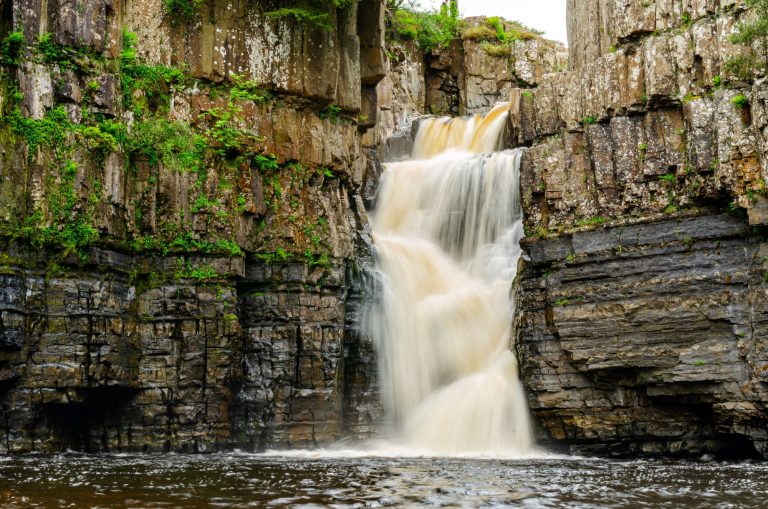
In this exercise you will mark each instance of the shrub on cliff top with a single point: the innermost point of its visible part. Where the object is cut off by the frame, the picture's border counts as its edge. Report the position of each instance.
(501, 32)
(434, 29)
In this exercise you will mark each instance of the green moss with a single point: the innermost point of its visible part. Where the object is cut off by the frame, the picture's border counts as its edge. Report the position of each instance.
(592, 221)
(480, 33)
(740, 101)
(496, 50)
(690, 96)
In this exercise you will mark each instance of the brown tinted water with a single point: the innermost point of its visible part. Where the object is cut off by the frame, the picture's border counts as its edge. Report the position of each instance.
(240, 480)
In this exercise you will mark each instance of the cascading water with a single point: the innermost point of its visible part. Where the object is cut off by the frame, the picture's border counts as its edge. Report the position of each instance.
(447, 230)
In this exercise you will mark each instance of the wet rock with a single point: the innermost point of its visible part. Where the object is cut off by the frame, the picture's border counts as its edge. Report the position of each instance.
(639, 334)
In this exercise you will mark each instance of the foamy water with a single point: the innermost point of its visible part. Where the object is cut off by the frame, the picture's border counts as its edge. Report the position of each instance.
(447, 230)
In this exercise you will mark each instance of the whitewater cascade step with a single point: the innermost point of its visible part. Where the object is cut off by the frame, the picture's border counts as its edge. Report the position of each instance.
(447, 230)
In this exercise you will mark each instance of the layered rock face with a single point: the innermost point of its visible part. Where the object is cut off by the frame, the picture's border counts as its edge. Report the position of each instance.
(183, 229)
(472, 74)
(648, 338)
(184, 241)
(641, 308)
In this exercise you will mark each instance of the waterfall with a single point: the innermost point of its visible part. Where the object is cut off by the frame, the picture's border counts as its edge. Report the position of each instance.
(447, 229)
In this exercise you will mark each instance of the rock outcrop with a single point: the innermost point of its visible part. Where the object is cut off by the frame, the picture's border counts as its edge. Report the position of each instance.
(184, 242)
(183, 227)
(641, 307)
(648, 338)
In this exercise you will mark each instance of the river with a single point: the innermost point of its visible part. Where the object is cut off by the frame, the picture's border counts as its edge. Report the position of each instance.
(352, 480)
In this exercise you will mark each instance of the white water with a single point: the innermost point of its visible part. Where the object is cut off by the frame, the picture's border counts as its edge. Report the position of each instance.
(447, 230)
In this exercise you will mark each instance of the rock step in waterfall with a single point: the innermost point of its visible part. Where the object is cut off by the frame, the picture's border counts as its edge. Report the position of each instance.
(447, 230)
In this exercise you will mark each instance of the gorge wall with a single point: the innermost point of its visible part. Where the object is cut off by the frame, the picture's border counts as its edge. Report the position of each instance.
(642, 307)
(182, 225)
(184, 242)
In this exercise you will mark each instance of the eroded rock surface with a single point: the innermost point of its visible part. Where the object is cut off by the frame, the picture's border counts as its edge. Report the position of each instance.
(648, 338)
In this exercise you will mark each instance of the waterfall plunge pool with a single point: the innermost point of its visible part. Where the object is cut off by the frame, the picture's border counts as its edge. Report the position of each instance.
(352, 480)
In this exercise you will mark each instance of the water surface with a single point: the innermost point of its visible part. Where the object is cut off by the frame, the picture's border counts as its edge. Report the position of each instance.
(347, 481)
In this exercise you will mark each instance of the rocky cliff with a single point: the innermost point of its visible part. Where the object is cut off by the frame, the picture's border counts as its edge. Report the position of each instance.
(184, 240)
(641, 306)
(182, 224)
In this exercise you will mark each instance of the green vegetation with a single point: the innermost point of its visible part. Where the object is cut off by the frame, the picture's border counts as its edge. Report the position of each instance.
(174, 144)
(508, 31)
(12, 48)
(690, 96)
(747, 34)
(667, 177)
(224, 131)
(331, 112)
(51, 130)
(311, 13)
(739, 101)
(592, 221)
(755, 30)
(280, 255)
(182, 10)
(589, 120)
(433, 29)
(71, 227)
(480, 33)
(153, 83)
(497, 35)
(185, 270)
(496, 50)
(71, 142)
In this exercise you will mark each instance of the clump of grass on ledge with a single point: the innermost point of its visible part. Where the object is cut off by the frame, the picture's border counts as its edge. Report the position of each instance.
(480, 33)
(496, 50)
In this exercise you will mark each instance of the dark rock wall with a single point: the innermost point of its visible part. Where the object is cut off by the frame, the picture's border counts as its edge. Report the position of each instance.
(97, 358)
(211, 304)
(648, 338)
(641, 310)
